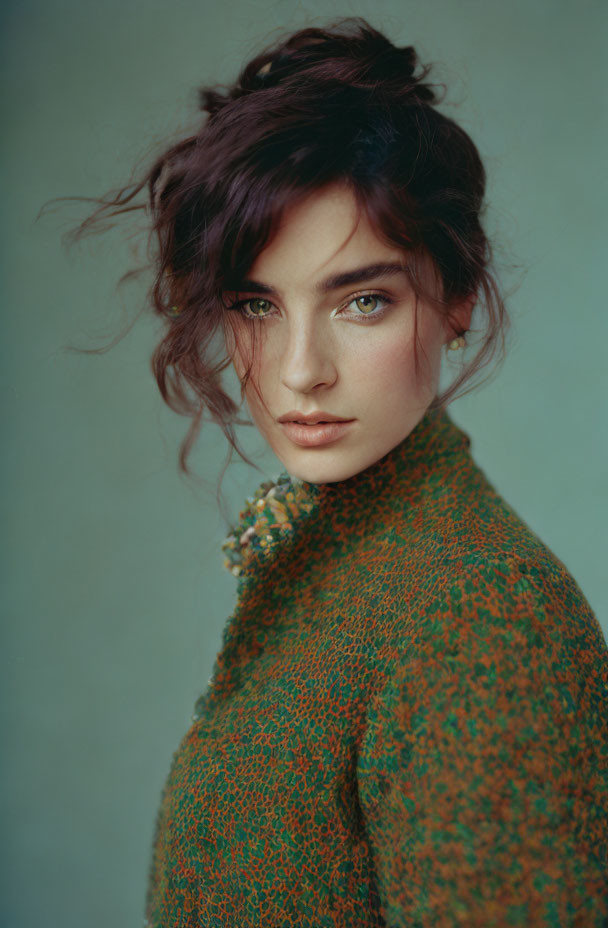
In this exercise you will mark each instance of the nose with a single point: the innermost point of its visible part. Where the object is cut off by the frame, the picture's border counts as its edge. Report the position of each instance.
(307, 357)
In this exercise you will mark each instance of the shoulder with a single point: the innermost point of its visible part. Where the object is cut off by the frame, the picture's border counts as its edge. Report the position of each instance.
(524, 606)
(530, 590)
(508, 647)
(500, 630)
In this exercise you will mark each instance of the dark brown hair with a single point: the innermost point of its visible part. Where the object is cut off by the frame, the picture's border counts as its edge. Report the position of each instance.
(323, 105)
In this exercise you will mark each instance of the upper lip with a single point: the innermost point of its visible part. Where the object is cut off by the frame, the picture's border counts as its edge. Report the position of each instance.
(295, 416)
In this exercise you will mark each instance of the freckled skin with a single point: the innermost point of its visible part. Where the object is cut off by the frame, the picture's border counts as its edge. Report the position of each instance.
(313, 355)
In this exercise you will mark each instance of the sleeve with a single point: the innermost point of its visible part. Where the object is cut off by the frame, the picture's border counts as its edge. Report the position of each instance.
(483, 770)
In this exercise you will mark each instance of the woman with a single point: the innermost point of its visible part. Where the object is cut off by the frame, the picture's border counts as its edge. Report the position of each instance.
(406, 723)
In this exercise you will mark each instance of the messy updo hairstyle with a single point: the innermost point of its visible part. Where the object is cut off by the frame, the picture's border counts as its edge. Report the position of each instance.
(323, 105)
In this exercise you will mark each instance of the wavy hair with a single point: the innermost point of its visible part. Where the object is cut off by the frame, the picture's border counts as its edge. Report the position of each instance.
(322, 105)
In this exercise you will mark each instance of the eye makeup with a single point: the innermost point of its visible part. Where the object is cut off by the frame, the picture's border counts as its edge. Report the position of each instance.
(241, 306)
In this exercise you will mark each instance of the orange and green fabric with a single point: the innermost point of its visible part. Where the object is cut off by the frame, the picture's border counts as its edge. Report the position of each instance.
(407, 722)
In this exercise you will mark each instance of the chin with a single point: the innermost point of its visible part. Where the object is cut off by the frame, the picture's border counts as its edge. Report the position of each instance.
(312, 471)
(322, 472)
(322, 477)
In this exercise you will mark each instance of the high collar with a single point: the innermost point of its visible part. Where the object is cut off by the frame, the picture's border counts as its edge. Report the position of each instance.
(274, 516)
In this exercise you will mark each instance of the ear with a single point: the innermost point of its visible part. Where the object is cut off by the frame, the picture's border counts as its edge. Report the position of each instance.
(460, 318)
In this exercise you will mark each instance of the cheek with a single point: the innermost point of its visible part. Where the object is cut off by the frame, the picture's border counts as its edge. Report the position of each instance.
(262, 383)
(386, 373)
(385, 370)
(264, 356)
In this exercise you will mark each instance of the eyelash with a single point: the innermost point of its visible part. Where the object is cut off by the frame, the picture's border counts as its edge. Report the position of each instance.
(240, 306)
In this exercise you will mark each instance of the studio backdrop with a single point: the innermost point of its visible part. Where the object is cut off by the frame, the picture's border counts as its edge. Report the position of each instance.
(115, 595)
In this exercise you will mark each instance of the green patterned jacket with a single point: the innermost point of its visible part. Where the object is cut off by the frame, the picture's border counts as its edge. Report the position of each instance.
(407, 722)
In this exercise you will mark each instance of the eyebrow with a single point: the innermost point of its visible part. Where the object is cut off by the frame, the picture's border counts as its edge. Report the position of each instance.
(357, 275)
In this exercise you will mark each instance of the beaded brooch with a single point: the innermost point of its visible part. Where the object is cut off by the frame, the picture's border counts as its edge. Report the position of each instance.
(267, 520)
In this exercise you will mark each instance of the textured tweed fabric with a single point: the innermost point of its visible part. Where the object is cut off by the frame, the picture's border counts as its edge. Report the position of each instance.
(407, 722)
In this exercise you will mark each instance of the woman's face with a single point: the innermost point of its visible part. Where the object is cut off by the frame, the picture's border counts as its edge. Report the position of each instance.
(335, 335)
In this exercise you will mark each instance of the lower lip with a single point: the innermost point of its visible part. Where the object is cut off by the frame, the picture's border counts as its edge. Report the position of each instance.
(313, 435)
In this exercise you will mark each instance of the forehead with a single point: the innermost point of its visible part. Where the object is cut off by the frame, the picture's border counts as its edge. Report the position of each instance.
(322, 232)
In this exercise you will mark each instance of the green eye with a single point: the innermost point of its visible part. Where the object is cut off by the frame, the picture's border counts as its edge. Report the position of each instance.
(367, 303)
(258, 306)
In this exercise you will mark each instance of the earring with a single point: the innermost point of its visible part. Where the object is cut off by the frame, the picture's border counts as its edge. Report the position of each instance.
(457, 343)
(264, 69)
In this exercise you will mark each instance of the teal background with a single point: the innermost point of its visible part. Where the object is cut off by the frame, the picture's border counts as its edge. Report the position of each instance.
(114, 592)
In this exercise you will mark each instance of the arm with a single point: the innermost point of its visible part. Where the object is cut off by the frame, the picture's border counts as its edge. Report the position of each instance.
(483, 773)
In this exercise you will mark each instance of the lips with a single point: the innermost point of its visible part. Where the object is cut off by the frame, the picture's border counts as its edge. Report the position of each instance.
(313, 418)
(316, 434)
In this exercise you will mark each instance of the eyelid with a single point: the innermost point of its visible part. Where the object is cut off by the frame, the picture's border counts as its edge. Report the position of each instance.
(375, 293)
(239, 304)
